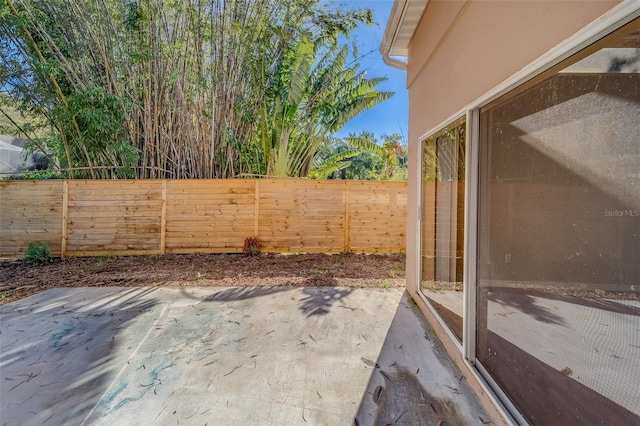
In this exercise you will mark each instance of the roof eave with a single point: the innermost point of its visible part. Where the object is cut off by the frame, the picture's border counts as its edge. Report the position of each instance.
(402, 22)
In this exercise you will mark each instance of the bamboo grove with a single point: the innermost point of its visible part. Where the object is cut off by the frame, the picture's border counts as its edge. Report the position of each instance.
(183, 88)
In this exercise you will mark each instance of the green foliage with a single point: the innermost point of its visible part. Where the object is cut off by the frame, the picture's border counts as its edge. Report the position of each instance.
(38, 253)
(330, 166)
(20, 122)
(93, 122)
(361, 157)
(251, 246)
(444, 154)
(183, 89)
(17, 122)
(430, 285)
(386, 284)
(395, 269)
(308, 102)
(42, 174)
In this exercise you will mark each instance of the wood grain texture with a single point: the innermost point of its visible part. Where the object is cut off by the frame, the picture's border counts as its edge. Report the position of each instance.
(129, 217)
(30, 211)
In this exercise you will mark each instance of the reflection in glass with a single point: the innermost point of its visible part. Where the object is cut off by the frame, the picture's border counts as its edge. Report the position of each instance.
(558, 297)
(443, 156)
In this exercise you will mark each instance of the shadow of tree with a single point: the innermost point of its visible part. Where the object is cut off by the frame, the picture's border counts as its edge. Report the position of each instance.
(604, 303)
(414, 381)
(518, 299)
(57, 352)
(525, 301)
(241, 293)
(319, 300)
(319, 294)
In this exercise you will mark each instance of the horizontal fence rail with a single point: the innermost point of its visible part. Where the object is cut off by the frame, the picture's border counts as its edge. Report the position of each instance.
(134, 217)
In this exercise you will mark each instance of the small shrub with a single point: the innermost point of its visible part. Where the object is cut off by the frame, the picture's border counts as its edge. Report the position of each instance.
(41, 175)
(101, 262)
(251, 246)
(430, 285)
(38, 253)
(396, 268)
(340, 258)
(386, 284)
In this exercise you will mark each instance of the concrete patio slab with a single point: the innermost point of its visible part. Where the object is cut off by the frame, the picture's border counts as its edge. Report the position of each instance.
(224, 356)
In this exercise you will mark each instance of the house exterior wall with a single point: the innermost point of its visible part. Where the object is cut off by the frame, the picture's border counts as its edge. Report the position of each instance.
(461, 50)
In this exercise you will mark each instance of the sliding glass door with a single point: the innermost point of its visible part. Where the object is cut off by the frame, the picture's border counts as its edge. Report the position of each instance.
(558, 276)
(552, 275)
(442, 229)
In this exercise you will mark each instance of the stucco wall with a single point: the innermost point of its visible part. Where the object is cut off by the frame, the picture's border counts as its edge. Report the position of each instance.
(462, 50)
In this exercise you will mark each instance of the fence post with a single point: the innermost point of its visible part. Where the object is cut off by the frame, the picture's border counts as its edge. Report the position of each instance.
(163, 218)
(347, 220)
(256, 207)
(65, 217)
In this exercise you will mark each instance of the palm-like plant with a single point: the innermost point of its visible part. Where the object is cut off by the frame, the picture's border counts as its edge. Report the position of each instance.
(354, 157)
(183, 89)
(309, 102)
(392, 151)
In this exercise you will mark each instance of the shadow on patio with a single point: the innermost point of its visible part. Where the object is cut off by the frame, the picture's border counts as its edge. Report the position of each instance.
(67, 346)
(316, 300)
(273, 355)
(414, 381)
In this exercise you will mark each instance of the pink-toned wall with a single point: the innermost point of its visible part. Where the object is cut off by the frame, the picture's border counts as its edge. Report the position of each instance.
(463, 49)
(460, 51)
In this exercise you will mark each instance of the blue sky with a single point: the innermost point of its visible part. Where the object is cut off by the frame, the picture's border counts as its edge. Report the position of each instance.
(390, 116)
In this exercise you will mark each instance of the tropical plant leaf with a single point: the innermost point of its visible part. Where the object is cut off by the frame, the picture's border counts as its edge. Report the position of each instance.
(333, 164)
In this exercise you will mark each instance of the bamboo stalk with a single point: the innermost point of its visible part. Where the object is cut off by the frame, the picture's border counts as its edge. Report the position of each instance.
(53, 79)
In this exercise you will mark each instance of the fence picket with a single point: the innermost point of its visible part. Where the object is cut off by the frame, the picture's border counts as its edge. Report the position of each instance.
(210, 216)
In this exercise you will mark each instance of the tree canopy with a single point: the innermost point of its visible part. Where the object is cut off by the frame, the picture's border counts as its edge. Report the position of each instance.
(184, 88)
(361, 156)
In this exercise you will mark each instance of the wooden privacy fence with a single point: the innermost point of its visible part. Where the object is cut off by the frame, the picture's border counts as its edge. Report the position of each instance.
(131, 217)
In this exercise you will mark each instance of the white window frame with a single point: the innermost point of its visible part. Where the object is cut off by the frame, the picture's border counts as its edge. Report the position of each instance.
(445, 327)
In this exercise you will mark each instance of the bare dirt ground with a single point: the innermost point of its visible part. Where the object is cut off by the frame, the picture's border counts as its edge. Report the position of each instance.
(19, 278)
